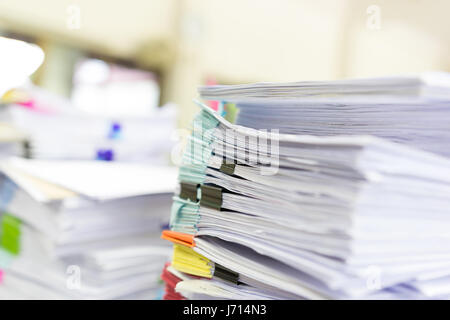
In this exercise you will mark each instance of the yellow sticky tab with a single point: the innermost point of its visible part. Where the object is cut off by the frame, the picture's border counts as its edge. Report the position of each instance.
(186, 260)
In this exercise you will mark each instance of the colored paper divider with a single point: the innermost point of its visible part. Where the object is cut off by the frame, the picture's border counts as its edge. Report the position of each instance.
(10, 233)
(178, 237)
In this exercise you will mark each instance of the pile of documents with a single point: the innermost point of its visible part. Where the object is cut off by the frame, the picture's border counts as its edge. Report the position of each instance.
(56, 130)
(83, 229)
(410, 110)
(317, 214)
(12, 140)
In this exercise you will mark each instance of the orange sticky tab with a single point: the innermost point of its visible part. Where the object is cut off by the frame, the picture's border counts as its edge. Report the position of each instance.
(179, 237)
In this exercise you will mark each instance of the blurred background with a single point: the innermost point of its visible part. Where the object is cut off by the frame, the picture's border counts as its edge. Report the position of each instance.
(128, 57)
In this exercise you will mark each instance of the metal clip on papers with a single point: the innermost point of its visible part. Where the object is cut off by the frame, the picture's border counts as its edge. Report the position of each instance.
(189, 191)
(225, 274)
(227, 168)
(211, 197)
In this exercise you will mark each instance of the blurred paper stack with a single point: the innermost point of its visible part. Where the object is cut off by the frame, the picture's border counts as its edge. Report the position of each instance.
(57, 130)
(12, 140)
(330, 212)
(83, 229)
(413, 110)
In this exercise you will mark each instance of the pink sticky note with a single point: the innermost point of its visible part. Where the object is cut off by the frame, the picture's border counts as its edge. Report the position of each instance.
(1, 276)
(34, 105)
(212, 104)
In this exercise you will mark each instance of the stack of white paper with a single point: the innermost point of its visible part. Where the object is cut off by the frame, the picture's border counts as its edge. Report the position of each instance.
(78, 136)
(56, 130)
(85, 230)
(263, 215)
(430, 85)
(410, 110)
(12, 140)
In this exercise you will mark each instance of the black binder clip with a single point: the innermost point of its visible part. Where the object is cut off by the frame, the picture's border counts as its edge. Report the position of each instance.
(225, 274)
(227, 168)
(26, 147)
(211, 197)
(189, 191)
